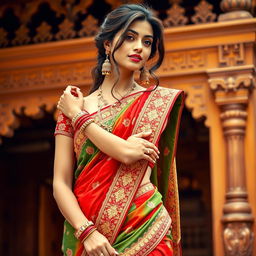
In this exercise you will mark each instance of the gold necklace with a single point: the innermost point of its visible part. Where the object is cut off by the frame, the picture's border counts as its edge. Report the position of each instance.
(102, 102)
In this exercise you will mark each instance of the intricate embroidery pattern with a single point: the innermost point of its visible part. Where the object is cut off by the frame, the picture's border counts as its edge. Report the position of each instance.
(128, 178)
(115, 206)
(64, 126)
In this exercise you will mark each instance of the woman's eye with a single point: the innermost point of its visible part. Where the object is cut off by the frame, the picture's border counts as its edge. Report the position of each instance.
(148, 42)
(129, 38)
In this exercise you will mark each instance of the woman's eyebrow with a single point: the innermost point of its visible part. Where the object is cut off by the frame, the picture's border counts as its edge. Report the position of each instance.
(136, 33)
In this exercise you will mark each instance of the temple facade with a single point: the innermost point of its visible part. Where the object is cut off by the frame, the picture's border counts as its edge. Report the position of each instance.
(46, 45)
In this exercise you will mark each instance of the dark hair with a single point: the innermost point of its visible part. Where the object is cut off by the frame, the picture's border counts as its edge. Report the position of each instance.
(121, 18)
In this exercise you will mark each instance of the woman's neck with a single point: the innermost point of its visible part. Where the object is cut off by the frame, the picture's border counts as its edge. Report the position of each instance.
(124, 83)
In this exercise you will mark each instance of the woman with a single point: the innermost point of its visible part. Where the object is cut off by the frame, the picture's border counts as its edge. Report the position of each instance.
(113, 208)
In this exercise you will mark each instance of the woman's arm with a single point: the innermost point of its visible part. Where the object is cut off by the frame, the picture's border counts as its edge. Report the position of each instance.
(66, 200)
(62, 181)
(126, 151)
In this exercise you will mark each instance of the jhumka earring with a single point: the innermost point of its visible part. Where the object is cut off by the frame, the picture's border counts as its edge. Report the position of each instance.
(106, 66)
(144, 79)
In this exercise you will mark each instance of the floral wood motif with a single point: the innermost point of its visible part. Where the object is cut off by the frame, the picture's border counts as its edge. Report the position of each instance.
(90, 26)
(181, 61)
(203, 13)
(67, 11)
(232, 83)
(43, 33)
(231, 55)
(175, 16)
(66, 30)
(238, 239)
(22, 36)
(196, 101)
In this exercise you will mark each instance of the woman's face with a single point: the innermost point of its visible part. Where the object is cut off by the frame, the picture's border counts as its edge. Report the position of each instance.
(136, 48)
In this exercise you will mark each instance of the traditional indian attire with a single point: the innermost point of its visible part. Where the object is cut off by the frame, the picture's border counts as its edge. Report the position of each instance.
(136, 219)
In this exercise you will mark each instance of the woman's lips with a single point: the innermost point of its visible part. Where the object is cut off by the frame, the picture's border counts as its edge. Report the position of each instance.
(135, 58)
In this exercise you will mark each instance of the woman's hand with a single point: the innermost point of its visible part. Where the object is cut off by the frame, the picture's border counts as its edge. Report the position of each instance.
(140, 148)
(98, 245)
(71, 101)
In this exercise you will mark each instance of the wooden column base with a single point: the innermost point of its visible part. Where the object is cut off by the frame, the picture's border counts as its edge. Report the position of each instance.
(238, 238)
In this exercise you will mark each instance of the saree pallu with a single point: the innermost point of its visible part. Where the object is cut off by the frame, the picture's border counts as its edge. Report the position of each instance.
(106, 189)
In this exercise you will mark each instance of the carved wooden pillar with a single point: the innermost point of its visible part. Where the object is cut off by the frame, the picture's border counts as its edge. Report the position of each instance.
(232, 87)
(235, 9)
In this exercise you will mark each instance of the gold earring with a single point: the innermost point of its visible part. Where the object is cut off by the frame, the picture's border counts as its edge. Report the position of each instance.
(106, 66)
(144, 79)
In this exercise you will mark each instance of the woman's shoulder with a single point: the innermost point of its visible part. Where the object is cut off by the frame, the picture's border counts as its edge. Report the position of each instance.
(91, 96)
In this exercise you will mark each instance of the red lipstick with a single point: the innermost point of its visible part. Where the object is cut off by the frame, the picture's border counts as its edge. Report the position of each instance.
(135, 57)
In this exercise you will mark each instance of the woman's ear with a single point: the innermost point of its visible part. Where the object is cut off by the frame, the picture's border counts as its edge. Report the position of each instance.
(107, 45)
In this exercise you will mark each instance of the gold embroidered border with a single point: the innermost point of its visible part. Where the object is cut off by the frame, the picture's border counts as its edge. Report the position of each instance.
(128, 178)
(117, 201)
(152, 237)
(144, 189)
(64, 133)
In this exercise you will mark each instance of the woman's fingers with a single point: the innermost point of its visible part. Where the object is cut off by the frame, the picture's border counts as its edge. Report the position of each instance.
(111, 250)
(103, 251)
(142, 134)
(149, 158)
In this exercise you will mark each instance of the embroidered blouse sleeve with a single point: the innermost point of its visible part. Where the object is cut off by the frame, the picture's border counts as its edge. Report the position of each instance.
(64, 126)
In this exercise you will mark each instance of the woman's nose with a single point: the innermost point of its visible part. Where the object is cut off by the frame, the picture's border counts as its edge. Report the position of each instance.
(138, 47)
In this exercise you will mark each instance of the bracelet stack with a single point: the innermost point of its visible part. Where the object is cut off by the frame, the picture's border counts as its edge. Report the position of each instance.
(81, 120)
(85, 231)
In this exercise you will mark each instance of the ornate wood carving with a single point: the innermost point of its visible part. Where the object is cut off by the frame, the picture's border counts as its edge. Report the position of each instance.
(67, 10)
(232, 92)
(175, 15)
(22, 36)
(232, 83)
(52, 77)
(90, 26)
(203, 13)
(43, 33)
(184, 60)
(235, 9)
(32, 107)
(196, 101)
(66, 30)
(231, 55)
(238, 239)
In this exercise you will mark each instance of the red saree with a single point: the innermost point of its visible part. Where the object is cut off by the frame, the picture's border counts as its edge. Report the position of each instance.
(107, 190)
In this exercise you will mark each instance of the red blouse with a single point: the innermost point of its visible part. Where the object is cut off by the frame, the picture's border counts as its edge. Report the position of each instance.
(64, 126)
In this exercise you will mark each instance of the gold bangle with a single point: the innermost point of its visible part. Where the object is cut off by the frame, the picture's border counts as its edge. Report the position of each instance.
(82, 228)
(77, 116)
(86, 123)
(88, 234)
